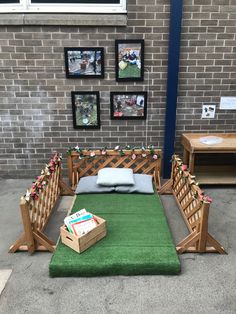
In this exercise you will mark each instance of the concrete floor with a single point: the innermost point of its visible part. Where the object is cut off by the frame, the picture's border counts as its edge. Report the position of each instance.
(207, 283)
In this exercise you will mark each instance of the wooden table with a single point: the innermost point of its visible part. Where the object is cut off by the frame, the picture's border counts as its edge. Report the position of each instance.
(217, 174)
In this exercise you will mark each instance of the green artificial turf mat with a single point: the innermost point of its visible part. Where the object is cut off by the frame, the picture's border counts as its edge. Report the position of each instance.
(138, 240)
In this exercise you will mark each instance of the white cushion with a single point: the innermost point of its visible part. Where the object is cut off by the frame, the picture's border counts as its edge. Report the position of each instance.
(115, 176)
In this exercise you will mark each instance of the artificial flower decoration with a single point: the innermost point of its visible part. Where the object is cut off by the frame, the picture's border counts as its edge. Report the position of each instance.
(207, 199)
(46, 171)
(118, 114)
(27, 195)
(200, 196)
(151, 150)
(103, 152)
(121, 152)
(184, 167)
(42, 180)
(203, 198)
(34, 195)
(195, 195)
(133, 156)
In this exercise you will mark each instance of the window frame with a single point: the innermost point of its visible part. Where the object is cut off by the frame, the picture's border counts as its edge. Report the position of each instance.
(25, 6)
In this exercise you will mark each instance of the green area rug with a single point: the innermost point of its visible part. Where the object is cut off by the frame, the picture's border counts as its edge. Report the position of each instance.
(138, 240)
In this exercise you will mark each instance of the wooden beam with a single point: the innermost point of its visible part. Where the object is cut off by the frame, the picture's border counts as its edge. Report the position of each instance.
(27, 226)
(166, 188)
(65, 189)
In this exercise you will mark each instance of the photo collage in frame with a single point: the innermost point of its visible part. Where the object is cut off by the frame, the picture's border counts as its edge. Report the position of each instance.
(88, 63)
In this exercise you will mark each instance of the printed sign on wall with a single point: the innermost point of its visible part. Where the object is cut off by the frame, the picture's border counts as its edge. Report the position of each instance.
(228, 103)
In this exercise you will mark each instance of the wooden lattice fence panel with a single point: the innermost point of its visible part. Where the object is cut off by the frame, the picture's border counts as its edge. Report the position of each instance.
(37, 206)
(194, 207)
(87, 165)
(41, 208)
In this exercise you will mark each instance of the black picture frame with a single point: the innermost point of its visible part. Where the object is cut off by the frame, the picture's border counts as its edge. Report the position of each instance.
(128, 105)
(84, 62)
(129, 60)
(86, 110)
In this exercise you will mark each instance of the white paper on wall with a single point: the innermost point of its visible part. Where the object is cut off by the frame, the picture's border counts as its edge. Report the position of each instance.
(208, 111)
(228, 103)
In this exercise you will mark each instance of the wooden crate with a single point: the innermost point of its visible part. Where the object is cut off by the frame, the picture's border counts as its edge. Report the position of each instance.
(82, 243)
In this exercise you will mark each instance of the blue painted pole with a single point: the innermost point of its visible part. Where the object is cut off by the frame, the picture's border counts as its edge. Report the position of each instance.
(172, 83)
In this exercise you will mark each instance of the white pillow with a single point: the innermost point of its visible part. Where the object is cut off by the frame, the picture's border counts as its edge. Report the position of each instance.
(115, 176)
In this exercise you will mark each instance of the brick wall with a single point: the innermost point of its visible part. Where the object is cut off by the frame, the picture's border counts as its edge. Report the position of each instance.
(35, 102)
(207, 65)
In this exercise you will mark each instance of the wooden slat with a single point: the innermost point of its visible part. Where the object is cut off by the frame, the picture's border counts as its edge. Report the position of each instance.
(203, 227)
(183, 195)
(187, 203)
(176, 180)
(186, 239)
(215, 244)
(193, 211)
(180, 186)
(15, 247)
(44, 241)
(193, 239)
(183, 214)
(166, 187)
(194, 223)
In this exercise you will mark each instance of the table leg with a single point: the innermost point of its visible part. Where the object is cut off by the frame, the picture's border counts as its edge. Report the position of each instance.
(191, 162)
(186, 157)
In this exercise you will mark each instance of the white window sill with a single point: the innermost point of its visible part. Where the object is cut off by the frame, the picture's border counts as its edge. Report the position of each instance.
(64, 19)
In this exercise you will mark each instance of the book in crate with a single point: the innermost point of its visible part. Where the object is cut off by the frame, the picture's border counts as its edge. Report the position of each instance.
(83, 242)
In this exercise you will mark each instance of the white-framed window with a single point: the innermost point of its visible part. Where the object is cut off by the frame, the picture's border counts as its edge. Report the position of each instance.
(63, 6)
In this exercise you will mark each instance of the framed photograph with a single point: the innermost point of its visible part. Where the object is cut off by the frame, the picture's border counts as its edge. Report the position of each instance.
(129, 105)
(86, 110)
(129, 56)
(84, 62)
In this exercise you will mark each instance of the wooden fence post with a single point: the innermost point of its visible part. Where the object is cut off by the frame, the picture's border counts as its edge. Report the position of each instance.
(70, 170)
(27, 226)
(203, 228)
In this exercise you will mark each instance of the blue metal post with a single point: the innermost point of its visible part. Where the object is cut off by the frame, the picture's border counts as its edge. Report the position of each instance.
(172, 83)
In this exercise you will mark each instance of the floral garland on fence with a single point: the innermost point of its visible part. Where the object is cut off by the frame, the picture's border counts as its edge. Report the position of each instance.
(183, 169)
(103, 151)
(42, 180)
